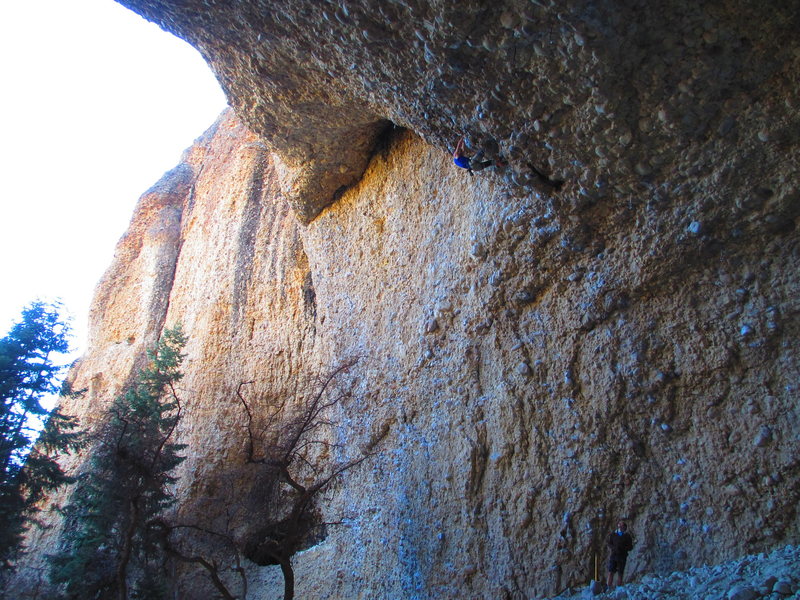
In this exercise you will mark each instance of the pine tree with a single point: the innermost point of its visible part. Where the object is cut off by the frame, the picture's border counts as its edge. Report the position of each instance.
(109, 544)
(28, 375)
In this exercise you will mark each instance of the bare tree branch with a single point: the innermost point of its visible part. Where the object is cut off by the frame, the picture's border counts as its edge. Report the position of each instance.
(250, 437)
(208, 564)
(211, 567)
(286, 443)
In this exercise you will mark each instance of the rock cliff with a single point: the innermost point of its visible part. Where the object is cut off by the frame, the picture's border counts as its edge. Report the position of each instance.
(536, 362)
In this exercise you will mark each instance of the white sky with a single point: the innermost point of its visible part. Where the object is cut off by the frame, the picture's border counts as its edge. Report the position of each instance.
(96, 105)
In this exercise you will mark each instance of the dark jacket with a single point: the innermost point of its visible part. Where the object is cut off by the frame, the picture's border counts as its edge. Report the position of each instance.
(620, 545)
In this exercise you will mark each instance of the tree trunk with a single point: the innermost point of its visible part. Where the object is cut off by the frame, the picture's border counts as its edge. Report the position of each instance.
(288, 578)
(125, 555)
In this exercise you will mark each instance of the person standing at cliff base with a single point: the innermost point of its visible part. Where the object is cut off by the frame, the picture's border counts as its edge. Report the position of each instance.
(619, 544)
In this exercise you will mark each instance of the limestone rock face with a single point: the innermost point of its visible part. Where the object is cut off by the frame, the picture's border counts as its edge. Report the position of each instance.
(539, 367)
(540, 361)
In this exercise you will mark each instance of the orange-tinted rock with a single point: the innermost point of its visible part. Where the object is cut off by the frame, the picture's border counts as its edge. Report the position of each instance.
(540, 361)
(639, 395)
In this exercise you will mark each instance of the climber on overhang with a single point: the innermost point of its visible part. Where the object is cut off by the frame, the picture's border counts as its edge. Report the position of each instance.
(470, 164)
(475, 164)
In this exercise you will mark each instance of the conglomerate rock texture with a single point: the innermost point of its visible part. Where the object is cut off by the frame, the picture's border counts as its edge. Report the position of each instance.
(615, 97)
(534, 362)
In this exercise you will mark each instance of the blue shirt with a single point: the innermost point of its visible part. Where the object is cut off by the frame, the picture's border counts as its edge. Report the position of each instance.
(461, 161)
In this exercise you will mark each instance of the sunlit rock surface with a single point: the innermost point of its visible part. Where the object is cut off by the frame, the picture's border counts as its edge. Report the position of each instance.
(542, 361)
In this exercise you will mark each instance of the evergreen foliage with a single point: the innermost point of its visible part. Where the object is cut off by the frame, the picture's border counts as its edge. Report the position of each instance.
(28, 375)
(109, 544)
